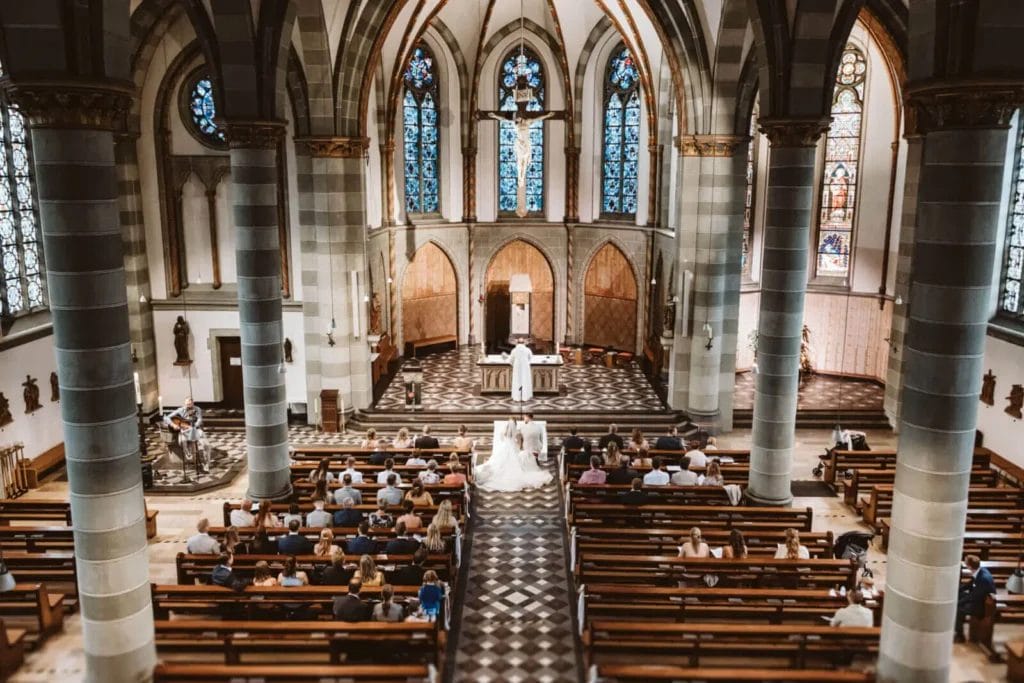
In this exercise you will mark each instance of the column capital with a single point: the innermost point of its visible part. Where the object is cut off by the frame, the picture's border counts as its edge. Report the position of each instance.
(244, 134)
(709, 145)
(793, 132)
(100, 105)
(338, 147)
(970, 103)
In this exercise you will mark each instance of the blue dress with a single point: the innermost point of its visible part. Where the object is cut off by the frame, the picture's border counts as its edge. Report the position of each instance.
(430, 599)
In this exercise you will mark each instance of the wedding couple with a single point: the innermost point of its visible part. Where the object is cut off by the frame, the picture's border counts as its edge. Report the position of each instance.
(513, 463)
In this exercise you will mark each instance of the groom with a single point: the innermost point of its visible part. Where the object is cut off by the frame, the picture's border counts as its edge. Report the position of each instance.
(533, 438)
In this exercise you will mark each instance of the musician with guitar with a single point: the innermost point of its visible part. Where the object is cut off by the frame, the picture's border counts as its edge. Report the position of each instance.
(188, 420)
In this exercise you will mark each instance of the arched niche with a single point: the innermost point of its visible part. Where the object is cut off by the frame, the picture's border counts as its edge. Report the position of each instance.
(429, 296)
(610, 301)
(517, 257)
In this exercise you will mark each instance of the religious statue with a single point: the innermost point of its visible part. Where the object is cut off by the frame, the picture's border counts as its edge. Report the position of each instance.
(838, 192)
(54, 387)
(1016, 399)
(5, 411)
(181, 331)
(287, 350)
(806, 365)
(375, 311)
(668, 319)
(31, 394)
(988, 389)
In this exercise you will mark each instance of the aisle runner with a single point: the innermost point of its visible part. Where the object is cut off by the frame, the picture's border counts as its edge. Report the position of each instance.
(516, 620)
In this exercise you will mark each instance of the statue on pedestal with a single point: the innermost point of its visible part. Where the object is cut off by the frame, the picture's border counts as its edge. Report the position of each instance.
(5, 411)
(375, 314)
(31, 394)
(54, 387)
(181, 331)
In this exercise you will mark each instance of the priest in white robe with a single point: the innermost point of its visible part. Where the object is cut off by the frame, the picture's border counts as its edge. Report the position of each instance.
(522, 375)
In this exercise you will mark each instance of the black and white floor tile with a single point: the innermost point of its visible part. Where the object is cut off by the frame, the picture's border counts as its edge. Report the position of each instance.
(821, 392)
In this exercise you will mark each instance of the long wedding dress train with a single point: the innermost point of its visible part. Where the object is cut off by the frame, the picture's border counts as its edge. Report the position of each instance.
(509, 469)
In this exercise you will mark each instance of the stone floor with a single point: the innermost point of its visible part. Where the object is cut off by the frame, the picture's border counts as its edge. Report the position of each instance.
(516, 623)
(821, 392)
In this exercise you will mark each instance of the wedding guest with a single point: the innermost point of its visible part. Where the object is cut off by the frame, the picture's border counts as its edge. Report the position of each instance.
(294, 543)
(347, 516)
(791, 549)
(713, 474)
(232, 544)
(712, 444)
(409, 518)
(294, 514)
(684, 477)
(402, 440)
(637, 441)
(265, 517)
(462, 441)
(322, 471)
(336, 573)
(855, 613)
(657, 476)
(368, 574)
(576, 448)
(694, 546)
(350, 469)
(361, 543)
(669, 441)
(444, 518)
(416, 459)
(635, 495)
(456, 477)
(291, 576)
(371, 441)
(404, 543)
(351, 608)
(611, 437)
(262, 576)
(623, 473)
(595, 476)
(381, 519)
(387, 609)
(612, 454)
(325, 544)
(202, 543)
(434, 542)
(736, 548)
(262, 545)
(243, 517)
(347, 490)
(224, 575)
(425, 441)
(430, 475)
(318, 518)
(390, 494)
(643, 459)
(419, 495)
(698, 460)
(389, 471)
(431, 594)
(411, 574)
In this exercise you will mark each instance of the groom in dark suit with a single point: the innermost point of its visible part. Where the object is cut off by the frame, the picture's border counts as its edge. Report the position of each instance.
(973, 595)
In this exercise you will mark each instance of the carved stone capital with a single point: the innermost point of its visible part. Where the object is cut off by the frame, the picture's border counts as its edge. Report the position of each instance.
(337, 147)
(62, 104)
(966, 104)
(793, 132)
(254, 134)
(709, 145)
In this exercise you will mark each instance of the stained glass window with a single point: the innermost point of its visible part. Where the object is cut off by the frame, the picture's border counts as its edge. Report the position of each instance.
(621, 148)
(21, 253)
(748, 200)
(517, 63)
(203, 108)
(1010, 301)
(842, 166)
(420, 133)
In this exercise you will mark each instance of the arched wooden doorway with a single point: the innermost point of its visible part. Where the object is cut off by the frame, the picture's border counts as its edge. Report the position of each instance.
(609, 301)
(429, 297)
(514, 258)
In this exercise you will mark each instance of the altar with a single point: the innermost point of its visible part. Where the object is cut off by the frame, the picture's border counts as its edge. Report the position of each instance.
(496, 374)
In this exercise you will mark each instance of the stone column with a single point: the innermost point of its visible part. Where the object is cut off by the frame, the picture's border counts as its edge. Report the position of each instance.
(686, 208)
(954, 254)
(787, 234)
(77, 183)
(254, 177)
(136, 266)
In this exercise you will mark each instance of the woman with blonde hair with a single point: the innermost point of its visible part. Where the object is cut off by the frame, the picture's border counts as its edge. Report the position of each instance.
(368, 574)
(232, 544)
(402, 440)
(791, 548)
(265, 517)
(637, 441)
(444, 518)
(713, 474)
(434, 542)
(462, 442)
(642, 459)
(695, 546)
(326, 542)
(611, 454)
(371, 440)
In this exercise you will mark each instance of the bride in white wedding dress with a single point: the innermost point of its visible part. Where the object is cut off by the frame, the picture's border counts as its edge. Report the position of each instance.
(510, 468)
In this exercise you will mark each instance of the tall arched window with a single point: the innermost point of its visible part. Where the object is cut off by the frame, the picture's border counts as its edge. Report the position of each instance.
(621, 149)
(419, 114)
(842, 166)
(1010, 300)
(748, 200)
(21, 253)
(202, 108)
(520, 60)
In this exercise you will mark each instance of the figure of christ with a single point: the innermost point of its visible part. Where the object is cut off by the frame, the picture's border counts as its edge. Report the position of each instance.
(522, 120)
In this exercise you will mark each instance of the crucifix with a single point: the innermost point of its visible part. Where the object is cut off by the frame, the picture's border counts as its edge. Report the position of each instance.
(521, 118)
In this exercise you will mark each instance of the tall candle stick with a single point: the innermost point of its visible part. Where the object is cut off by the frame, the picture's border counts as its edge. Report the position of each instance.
(138, 389)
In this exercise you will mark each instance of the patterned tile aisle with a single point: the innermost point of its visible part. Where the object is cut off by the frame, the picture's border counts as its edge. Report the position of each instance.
(821, 392)
(451, 382)
(516, 622)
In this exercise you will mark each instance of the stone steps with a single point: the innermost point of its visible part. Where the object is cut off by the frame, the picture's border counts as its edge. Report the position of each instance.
(823, 419)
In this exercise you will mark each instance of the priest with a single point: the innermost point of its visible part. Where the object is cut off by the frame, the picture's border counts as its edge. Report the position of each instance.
(522, 375)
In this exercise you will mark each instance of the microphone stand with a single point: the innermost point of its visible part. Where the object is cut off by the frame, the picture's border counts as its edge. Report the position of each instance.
(520, 402)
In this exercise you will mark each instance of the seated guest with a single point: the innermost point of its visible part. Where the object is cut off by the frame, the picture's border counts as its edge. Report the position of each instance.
(387, 609)
(595, 476)
(576, 448)
(635, 495)
(294, 543)
(713, 474)
(202, 543)
(232, 544)
(350, 469)
(431, 594)
(736, 548)
(321, 471)
(347, 490)
(411, 574)
(419, 495)
(243, 517)
(430, 475)
(390, 494)
(611, 437)
(684, 477)
(698, 460)
(669, 441)
(361, 543)
(971, 600)
(637, 441)
(416, 459)
(290, 576)
(318, 518)
(612, 455)
(388, 471)
(425, 440)
(367, 573)
(444, 518)
(371, 441)
(262, 576)
(694, 546)
(434, 542)
(222, 575)
(378, 457)
(409, 518)
(381, 519)
(456, 477)
(403, 543)
(265, 516)
(791, 549)
(643, 458)
(294, 514)
(623, 473)
(402, 440)
(262, 545)
(657, 476)
(712, 444)
(855, 613)
(347, 516)
(325, 544)
(350, 607)
(336, 573)
(462, 442)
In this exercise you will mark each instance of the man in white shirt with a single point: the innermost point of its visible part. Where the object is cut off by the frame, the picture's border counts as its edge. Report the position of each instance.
(389, 470)
(657, 476)
(348, 491)
(684, 478)
(390, 494)
(202, 543)
(698, 460)
(319, 518)
(855, 613)
(350, 468)
(242, 517)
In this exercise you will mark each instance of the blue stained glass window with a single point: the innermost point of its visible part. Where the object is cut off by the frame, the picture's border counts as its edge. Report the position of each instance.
(203, 108)
(621, 153)
(420, 133)
(508, 181)
(748, 201)
(1011, 300)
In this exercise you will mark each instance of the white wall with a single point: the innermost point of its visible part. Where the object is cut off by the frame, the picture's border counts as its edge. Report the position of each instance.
(1003, 433)
(42, 429)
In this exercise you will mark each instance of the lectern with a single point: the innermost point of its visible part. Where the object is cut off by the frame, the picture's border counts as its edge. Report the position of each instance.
(519, 290)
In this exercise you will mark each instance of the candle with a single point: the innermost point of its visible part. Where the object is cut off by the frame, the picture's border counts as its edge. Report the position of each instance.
(558, 347)
(160, 404)
(138, 390)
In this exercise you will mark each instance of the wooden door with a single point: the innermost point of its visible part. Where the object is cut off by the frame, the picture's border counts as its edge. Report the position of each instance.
(231, 372)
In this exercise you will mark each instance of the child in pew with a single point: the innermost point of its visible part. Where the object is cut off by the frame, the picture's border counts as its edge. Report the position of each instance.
(430, 595)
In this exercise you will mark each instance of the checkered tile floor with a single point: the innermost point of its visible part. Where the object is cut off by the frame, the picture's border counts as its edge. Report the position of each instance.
(451, 382)
(516, 621)
(821, 392)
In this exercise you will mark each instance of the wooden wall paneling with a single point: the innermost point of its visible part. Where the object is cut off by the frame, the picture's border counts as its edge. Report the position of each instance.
(610, 301)
(522, 257)
(429, 291)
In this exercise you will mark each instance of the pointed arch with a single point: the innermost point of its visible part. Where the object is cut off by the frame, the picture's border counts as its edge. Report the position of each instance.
(519, 255)
(429, 295)
(610, 299)
(421, 104)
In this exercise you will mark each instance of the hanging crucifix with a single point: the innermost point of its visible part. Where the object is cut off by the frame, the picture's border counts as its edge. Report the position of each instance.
(522, 119)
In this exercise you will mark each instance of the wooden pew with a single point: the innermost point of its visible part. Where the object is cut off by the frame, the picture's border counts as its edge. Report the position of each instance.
(38, 467)
(37, 539)
(878, 502)
(295, 673)
(426, 512)
(33, 510)
(54, 569)
(837, 462)
(439, 492)
(30, 606)
(692, 644)
(711, 516)
(862, 479)
(622, 673)
(12, 650)
(668, 495)
(334, 451)
(978, 520)
(734, 474)
(341, 534)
